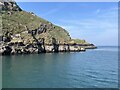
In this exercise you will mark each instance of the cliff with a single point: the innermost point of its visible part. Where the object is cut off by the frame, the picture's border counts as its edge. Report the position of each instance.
(25, 32)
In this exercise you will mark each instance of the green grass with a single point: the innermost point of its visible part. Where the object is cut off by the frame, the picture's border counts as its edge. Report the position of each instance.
(17, 22)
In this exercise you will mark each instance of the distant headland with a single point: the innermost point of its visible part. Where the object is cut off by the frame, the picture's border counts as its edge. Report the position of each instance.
(26, 33)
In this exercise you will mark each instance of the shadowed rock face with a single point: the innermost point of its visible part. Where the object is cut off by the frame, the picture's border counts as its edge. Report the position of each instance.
(9, 5)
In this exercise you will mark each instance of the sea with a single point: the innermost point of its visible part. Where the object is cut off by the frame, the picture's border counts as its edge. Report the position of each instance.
(94, 68)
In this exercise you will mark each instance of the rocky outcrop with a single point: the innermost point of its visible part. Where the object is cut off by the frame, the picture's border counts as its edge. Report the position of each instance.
(39, 47)
(5, 50)
(9, 5)
(9, 50)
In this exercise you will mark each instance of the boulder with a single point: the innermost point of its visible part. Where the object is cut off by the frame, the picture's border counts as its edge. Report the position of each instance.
(49, 48)
(1, 50)
(6, 50)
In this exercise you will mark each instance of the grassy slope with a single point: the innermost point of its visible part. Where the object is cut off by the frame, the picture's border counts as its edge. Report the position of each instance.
(16, 22)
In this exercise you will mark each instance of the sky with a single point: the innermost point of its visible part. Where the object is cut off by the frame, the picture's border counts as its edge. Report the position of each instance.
(96, 22)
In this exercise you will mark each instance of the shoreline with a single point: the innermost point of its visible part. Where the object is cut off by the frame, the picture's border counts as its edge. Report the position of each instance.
(46, 48)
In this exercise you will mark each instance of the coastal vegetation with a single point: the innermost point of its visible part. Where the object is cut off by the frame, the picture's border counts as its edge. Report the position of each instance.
(24, 32)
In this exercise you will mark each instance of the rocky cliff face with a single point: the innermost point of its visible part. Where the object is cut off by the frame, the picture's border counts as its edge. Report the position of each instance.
(9, 5)
(24, 32)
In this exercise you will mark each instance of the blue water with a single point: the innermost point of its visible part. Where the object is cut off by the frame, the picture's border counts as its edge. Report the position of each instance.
(96, 68)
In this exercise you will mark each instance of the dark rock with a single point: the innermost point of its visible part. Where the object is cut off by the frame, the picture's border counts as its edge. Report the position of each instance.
(1, 38)
(10, 6)
(7, 50)
(6, 39)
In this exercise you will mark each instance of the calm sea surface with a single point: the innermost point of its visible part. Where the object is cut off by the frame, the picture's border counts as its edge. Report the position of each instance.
(90, 69)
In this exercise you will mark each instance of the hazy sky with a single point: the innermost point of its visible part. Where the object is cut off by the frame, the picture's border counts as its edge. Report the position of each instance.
(93, 21)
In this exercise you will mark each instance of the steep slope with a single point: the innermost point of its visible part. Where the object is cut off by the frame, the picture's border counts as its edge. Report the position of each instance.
(17, 21)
